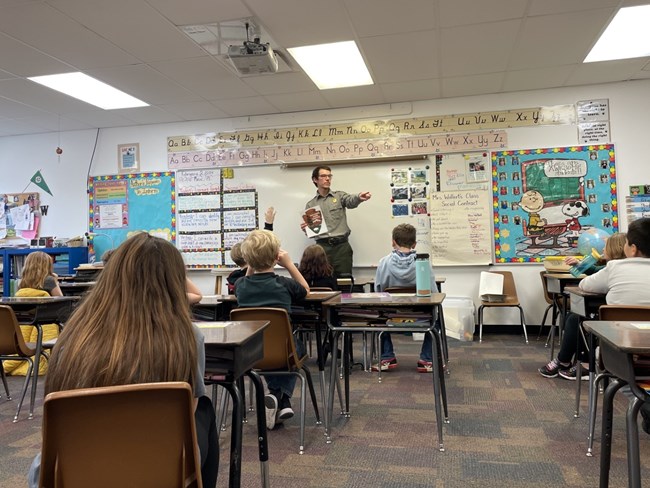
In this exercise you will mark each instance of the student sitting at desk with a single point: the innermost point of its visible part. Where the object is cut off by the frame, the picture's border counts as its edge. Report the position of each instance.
(135, 327)
(625, 281)
(261, 287)
(395, 270)
(316, 268)
(238, 259)
(38, 274)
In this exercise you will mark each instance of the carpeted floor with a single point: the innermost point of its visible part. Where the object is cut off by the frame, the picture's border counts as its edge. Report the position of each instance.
(509, 427)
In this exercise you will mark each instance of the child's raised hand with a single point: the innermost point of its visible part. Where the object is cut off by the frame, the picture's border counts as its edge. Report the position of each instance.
(283, 258)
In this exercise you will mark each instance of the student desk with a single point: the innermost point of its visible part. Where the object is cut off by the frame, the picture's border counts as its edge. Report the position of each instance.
(218, 307)
(555, 285)
(586, 304)
(619, 341)
(75, 288)
(431, 304)
(38, 311)
(231, 350)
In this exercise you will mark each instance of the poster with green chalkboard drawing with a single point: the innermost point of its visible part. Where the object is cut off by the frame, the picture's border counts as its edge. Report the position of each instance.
(544, 198)
(120, 205)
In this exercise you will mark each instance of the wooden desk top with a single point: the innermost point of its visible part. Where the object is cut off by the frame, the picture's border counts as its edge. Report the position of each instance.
(564, 276)
(384, 300)
(233, 333)
(575, 290)
(76, 284)
(624, 336)
(316, 296)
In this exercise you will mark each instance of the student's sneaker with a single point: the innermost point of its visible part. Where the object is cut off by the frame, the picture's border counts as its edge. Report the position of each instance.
(386, 365)
(271, 404)
(572, 373)
(552, 369)
(425, 366)
(284, 410)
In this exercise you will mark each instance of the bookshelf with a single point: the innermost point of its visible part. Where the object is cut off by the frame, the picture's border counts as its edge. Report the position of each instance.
(66, 259)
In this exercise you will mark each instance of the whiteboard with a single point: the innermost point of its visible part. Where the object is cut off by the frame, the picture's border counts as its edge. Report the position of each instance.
(289, 189)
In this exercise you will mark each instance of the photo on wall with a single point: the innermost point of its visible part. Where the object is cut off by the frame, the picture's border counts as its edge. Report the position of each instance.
(544, 199)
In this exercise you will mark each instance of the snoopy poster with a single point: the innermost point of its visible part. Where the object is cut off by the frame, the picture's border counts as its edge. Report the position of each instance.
(544, 198)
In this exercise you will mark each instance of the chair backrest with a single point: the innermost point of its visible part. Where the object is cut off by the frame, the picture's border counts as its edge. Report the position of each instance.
(130, 435)
(11, 337)
(509, 288)
(279, 346)
(400, 289)
(345, 282)
(31, 293)
(547, 296)
(624, 312)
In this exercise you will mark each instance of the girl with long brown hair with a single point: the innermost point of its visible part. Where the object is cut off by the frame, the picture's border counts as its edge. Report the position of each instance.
(135, 326)
(316, 268)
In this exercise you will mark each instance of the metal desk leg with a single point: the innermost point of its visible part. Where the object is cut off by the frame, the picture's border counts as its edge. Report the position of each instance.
(606, 443)
(633, 458)
(37, 362)
(333, 380)
(261, 427)
(236, 435)
(443, 336)
(320, 357)
(436, 387)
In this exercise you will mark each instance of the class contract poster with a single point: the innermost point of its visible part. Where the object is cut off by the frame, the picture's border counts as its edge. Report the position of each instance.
(543, 199)
(120, 205)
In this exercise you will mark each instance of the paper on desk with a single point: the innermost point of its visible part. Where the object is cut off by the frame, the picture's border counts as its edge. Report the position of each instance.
(490, 284)
(641, 325)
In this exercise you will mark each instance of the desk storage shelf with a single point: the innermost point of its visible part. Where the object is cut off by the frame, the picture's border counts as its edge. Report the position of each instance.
(66, 259)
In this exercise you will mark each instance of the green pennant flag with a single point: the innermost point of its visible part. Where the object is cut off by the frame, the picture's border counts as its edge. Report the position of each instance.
(39, 181)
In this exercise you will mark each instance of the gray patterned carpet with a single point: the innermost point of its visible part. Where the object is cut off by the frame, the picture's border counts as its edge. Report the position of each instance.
(509, 427)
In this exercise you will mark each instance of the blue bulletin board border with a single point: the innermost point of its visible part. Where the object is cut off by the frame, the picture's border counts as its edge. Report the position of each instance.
(544, 198)
(151, 209)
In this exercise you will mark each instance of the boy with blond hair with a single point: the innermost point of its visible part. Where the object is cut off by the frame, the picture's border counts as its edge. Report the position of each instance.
(261, 287)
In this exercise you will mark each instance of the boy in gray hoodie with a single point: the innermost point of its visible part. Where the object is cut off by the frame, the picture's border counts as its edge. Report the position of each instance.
(398, 269)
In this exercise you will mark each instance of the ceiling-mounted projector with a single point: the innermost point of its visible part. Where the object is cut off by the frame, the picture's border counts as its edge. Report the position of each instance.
(253, 57)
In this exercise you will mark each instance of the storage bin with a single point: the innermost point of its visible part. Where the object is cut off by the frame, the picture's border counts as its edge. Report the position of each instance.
(459, 318)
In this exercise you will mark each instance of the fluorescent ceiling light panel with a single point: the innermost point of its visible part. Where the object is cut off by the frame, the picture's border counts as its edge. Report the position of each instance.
(89, 90)
(334, 65)
(627, 36)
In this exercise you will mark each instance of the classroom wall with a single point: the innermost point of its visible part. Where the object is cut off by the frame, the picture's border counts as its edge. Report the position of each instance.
(21, 157)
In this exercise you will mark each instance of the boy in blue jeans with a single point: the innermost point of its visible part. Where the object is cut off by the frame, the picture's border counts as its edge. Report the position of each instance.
(398, 269)
(261, 287)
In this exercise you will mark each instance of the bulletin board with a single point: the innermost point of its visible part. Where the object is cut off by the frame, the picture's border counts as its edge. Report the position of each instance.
(212, 217)
(544, 198)
(19, 216)
(120, 205)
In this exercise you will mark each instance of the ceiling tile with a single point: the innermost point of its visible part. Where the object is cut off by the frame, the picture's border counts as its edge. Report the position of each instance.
(163, 40)
(11, 108)
(54, 123)
(607, 71)
(353, 96)
(472, 85)
(194, 110)
(382, 17)
(545, 7)
(532, 79)
(280, 83)
(411, 90)
(302, 23)
(298, 102)
(238, 107)
(23, 60)
(41, 26)
(475, 49)
(554, 39)
(145, 83)
(101, 118)
(463, 12)
(191, 12)
(402, 57)
(35, 95)
(148, 115)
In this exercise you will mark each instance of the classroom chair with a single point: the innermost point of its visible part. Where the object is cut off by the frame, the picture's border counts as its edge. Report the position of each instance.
(13, 347)
(551, 307)
(129, 435)
(510, 299)
(610, 313)
(280, 356)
